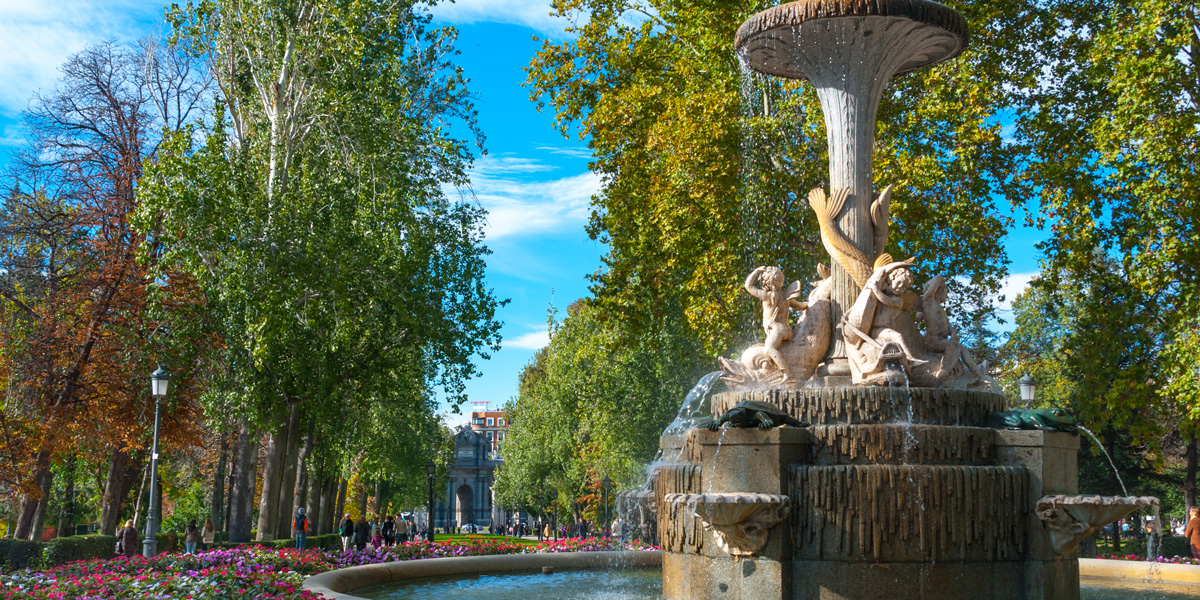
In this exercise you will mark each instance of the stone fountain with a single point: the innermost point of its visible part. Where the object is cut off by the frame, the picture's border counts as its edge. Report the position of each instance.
(897, 487)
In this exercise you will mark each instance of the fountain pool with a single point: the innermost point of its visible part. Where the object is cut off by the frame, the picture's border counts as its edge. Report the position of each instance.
(629, 584)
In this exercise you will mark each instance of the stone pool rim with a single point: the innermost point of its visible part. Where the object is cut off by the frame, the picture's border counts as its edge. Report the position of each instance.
(337, 584)
(1137, 572)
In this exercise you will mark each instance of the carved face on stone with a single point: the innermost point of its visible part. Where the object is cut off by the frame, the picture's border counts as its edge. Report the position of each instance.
(899, 281)
(772, 277)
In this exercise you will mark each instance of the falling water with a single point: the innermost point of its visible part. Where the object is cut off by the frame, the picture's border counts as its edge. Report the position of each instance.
(695, 405)
(1106, 455)
(896, 372)
(716, 453)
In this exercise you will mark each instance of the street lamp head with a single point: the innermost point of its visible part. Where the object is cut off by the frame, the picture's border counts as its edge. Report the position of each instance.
(1028, 387)
(431, 468)
(606, 482)
(158, 382)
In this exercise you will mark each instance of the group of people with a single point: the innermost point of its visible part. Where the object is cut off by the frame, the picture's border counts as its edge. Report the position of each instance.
(194, 537)
(395, 529)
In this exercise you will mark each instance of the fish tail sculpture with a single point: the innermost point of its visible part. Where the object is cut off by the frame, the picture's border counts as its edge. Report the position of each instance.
(879, 218)
(853, 260)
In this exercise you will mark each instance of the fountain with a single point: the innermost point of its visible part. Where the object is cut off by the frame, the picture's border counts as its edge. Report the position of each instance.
(859, 453)
(908, 480)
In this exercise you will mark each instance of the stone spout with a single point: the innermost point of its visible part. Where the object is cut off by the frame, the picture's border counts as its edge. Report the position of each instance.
(740, 522)
(628, 500)
(1072, 519)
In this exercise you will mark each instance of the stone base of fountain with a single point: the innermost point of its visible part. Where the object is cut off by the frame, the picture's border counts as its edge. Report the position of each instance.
(892, 493)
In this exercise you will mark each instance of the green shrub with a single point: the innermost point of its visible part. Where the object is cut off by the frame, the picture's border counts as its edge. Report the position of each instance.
(18, 554)
(328, 541)
(1176, 546)
(81, 547)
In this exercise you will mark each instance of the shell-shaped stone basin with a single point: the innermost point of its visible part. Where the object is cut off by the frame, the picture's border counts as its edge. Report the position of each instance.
(1072, 519)
(740, 521)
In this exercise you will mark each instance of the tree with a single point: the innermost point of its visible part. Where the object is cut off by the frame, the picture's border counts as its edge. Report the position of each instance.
(83, 314)
(1110, 128)
(591, 405)
(313, 216)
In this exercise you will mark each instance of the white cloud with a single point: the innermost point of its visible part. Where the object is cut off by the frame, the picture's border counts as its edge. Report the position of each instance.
(1013, 286)
(534, 340)
(517, 206)
(534, 14)
(571, 152)
(39, 36)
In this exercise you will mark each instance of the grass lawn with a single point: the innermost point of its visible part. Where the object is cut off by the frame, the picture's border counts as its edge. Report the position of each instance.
(467, 537)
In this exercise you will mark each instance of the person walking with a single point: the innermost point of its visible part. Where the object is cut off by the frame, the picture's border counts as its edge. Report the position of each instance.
(362, 533)
(191, 537)
(402, 530)
(128, 538)
(300, 528)
(546, 532)
(209, 534)
(347, 531)
(1192, 533)
(389, 531)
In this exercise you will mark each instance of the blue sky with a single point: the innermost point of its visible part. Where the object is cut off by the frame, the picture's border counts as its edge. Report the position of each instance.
(534, 183)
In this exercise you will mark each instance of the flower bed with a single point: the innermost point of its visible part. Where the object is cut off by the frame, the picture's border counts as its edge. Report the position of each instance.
(1173, 560)
(245, 572)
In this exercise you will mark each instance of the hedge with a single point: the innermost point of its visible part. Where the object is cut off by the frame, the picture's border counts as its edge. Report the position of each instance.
(81, 547)
(18, 554)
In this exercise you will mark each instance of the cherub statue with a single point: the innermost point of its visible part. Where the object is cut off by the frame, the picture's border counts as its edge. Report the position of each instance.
(802, 350)
(776, 302)
(878, 327)
(940, 337)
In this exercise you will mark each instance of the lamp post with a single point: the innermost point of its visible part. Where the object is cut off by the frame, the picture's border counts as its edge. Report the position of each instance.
(604, 485)
(1028, 387)
(158, 387)
(431, 469)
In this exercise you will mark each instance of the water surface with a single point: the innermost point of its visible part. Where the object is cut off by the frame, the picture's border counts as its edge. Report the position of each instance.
(634, 584)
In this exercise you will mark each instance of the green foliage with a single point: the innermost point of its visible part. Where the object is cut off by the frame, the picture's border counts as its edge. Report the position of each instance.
(705, 168)
(1108, 140)
(81, 547)
(337, 271)
(592, 404)
(19, 554)
(189, 505)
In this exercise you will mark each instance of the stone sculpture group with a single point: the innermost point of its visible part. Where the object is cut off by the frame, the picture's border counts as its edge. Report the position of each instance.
(883, 341)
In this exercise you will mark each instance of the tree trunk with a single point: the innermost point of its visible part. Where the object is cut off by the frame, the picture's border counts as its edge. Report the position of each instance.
(122, 472)
(379, 500)
(268, 504)
(312, 495)
(233, 473)
(343, 485)
(1189, 478)
(43, 507)
(241, 494)
(287, 480)
(27, 518)
(303, 498)
(362, 499)
(137, 504)
(217, 507)
(328, 490)
(66, 511)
